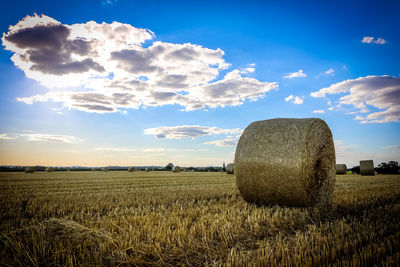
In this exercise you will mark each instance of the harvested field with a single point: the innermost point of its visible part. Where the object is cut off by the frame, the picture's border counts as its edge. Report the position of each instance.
(161, 218)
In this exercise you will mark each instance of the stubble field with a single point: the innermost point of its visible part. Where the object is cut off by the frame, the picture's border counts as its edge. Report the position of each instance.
(170, 219)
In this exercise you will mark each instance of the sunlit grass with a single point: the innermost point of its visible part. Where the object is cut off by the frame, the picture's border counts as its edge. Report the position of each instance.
(164, 218)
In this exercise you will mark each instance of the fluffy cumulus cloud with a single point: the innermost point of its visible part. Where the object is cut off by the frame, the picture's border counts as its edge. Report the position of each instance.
(223, 142)
(143, 150)
(122, 67)
(41, 137)
(5, 136)
(297, 74)
(53, 138)
(294, 99)
(319, 111)
(331, 71)
(380, 92)
(189, 131)
(373, 40)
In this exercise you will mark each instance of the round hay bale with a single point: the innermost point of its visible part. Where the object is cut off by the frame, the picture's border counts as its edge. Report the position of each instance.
(49, 169)
(105, 169)
(147, 170)
(176, 169)
(341, 169)
(230, 168)
(288, 162)
(367, 167)
(30, 169)
(131, 169)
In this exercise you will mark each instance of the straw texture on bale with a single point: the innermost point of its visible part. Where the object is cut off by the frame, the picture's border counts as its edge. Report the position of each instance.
(367, 167)
(105, 169)
(288, 162)
(230, 168)
(30, 169)
(341, 169)
(147, 169)
(131, 169)
(176, 169)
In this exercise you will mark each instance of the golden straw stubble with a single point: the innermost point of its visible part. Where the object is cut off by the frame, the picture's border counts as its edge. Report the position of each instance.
(289, 162)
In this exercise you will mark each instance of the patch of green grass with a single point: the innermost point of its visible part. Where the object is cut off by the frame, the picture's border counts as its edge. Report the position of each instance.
(165, 218)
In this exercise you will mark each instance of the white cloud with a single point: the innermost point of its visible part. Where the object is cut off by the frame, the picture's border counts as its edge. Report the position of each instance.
(370, 39)
(142, 150)
(319, 111)
(297, 74)
(119, 72)
(392, 147)
(223, 142)
(5, 136)
(115, 149)
(247, 70)
(109, 2)
(331, 71)
(189, 131)
(367, 39)
(295, 99)
(381, 92)
(153, 150)
(51, 138)
(380, 41)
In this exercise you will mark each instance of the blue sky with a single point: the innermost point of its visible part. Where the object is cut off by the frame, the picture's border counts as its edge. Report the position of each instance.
(151, 82)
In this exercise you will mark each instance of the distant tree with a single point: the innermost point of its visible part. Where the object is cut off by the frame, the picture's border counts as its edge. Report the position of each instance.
(169, 166)
(392, 167)
(355, 169)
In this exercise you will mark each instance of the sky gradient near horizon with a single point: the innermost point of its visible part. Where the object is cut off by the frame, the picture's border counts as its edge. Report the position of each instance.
(117, 82)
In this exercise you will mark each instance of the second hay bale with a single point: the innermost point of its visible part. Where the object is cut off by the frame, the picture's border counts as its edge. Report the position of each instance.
(30, 169)
(230, 168)
(341, 169)
(49, 169)
(367, 167)
(287, 162)
(176, 169)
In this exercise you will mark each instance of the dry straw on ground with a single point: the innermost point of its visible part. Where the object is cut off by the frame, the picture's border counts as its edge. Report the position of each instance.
(230, 168)
(367, 167)
(30, 169)
(176, 169)
(286, 161)
(341, 169)
(59, 236)
(131, 169)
